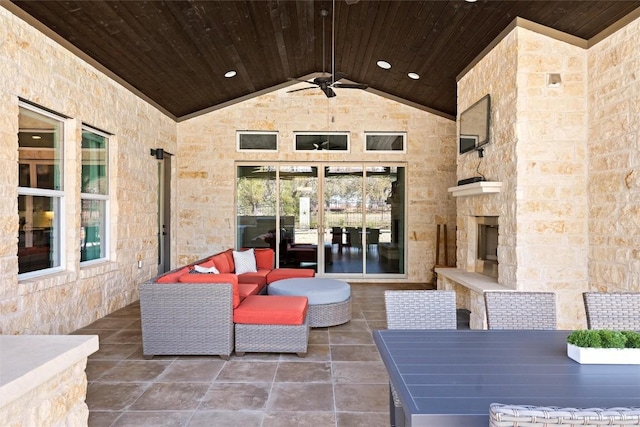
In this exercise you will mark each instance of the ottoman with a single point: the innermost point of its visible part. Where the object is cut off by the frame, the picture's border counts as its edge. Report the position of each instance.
(329, 299)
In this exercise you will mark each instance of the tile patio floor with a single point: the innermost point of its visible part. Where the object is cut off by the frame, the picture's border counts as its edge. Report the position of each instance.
(341, 381)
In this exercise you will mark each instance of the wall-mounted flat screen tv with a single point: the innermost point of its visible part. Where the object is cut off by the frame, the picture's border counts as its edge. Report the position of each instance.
(474, 125)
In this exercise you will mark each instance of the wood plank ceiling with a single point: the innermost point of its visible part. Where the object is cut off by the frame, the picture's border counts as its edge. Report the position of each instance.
(176, 52)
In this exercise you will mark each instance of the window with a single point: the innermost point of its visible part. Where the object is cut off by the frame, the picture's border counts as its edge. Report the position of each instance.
(40, 189)
(257, 141)
(385, 141)
(309, 141)
(94, 195)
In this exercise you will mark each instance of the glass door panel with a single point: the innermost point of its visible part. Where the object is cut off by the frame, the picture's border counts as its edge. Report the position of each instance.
(299, 217)
(384, 219)
(343, 219)
(256, 198)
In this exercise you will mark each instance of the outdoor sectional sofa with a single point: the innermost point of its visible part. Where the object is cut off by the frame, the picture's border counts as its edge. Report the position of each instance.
(218, 306)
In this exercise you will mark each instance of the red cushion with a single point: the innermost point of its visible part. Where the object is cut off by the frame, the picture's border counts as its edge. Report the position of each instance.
(213, 279)
(259, 277)
(245, 289)
(271, 310)
(289, 273)
(172, 276)
(265, 258)
(209, 262)
(232, 265)
(222, 263)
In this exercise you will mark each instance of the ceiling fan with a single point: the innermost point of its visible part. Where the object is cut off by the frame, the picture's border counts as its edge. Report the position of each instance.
(327, 83)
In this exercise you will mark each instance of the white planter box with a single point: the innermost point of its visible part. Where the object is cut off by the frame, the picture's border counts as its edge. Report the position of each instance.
(604, 356)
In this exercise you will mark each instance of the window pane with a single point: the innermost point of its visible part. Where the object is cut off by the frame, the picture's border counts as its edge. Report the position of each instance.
(93, 216)
(40, 142)
(330, 142)
(38, 233)
(257, 141)
(94, 163)
(385, 142)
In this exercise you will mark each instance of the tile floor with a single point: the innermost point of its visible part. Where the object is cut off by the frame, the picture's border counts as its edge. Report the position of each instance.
(341, 381)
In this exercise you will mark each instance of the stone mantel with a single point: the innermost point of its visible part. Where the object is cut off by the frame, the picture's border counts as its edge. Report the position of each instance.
(476, 188)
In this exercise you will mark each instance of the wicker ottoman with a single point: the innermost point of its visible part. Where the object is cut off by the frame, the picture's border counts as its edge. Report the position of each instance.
(329, 299)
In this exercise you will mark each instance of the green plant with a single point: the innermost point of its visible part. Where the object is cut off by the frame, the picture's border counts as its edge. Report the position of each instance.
(604, 338)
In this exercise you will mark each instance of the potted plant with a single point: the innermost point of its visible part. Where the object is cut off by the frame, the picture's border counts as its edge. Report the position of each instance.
(602, 346)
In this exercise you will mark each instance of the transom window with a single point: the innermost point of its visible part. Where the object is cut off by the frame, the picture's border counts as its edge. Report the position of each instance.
(385, 141)
(257, 141)
(326, 141)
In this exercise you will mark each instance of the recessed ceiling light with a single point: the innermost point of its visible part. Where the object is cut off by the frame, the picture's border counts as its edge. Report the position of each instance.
(471, 1)
(36, 137)
(230, 74)
(383, 64)
(414, 76)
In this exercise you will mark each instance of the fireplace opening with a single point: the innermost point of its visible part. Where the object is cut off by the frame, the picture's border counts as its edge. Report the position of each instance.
(487, 246)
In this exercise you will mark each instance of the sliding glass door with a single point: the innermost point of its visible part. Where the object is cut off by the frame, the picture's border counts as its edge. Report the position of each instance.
(340, 219)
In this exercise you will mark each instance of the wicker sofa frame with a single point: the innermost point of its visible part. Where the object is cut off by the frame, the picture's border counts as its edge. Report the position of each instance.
(187, 319)
(272, 338)
(501, 415)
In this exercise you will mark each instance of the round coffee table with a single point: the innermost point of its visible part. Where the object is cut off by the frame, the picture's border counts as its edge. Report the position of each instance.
(329, 299)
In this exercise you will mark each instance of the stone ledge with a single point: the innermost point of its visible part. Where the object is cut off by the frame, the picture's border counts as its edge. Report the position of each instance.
(475, 281)
(30, 360)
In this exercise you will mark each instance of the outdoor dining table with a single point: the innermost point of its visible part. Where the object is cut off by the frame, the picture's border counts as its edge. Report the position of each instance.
(448, 378)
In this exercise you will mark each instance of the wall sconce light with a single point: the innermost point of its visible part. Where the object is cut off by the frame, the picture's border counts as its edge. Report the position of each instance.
(554, 80)
(158, 153)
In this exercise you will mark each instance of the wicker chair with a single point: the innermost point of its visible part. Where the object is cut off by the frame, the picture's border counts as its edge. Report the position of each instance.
(540, 416)
(520, 310)
(417, 310)
(613, 310)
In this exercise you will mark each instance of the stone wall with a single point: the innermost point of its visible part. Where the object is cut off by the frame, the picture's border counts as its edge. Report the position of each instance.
(207, 161)
(60, 401)
(614, 161)
(35, 68)
(538, 152)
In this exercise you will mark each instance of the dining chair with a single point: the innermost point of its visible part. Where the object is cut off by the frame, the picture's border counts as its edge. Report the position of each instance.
(612, 310)
(373, 237)
(520, 310)
(501, 415)
(417, 309)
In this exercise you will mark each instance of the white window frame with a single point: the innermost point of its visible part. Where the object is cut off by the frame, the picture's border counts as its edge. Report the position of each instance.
(401, 134)
(255, 132)
(295, 141)
(100, 197)
(58, 195)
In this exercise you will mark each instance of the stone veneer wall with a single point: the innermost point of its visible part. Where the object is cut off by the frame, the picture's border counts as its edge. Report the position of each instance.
(206, 163)
(538, 152)
(35, 68)
(614, 161)
(60, 401)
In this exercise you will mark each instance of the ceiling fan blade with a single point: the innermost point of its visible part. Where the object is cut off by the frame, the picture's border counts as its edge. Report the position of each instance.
(350, 86)
(329, 92)
(301, 81)
(304, 88)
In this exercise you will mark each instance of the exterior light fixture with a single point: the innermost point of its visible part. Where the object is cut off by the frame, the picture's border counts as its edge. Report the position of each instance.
(414, 76)
(383, 64)
(158, 153)
(554, 80)
(230, 73)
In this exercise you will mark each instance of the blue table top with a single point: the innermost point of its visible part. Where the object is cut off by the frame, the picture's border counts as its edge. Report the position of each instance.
(450, 377)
